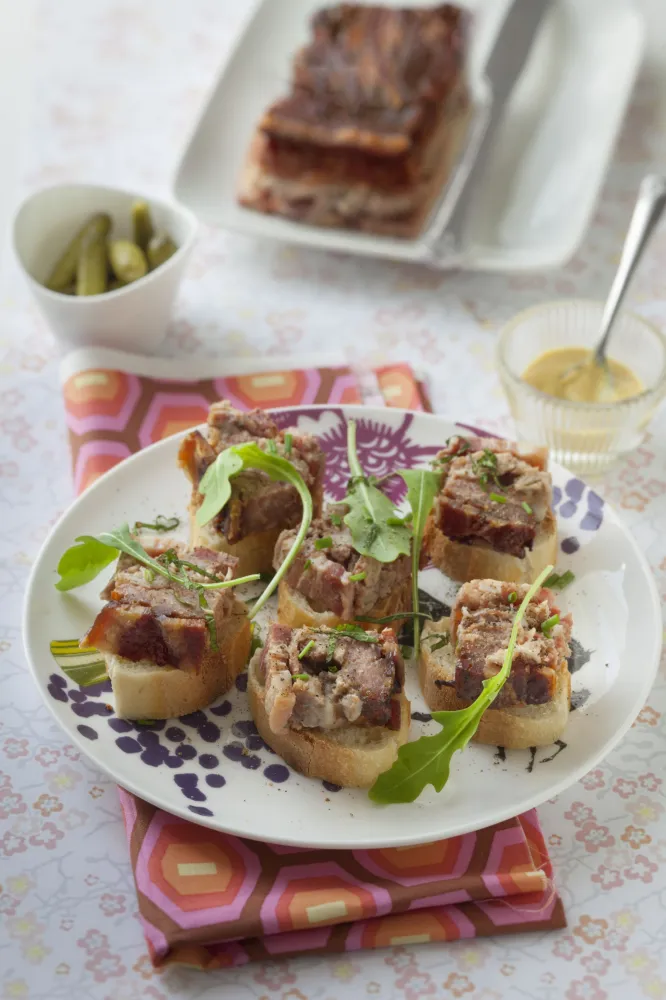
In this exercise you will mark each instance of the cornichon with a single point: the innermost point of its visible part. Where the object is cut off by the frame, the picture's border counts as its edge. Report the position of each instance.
(92, 263)
(91, 272)
(65, 271)
(160, 248)
(142, 224)
(128, 261)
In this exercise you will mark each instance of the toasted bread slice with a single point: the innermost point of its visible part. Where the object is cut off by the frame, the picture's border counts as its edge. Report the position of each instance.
(144, 690)
(479, 561)
(514, 728)
(352, 756)
(254, 552)
(294, 609)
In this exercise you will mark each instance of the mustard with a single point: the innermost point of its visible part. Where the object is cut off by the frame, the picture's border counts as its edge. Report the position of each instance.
(551, 373)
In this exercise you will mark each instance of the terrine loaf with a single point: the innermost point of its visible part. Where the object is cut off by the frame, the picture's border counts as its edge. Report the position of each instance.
(367, 135)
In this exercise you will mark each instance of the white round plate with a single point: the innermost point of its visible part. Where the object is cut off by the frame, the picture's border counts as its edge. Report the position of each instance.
(213, 768)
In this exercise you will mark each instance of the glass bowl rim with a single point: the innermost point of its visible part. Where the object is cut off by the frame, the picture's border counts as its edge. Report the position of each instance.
(509, 327)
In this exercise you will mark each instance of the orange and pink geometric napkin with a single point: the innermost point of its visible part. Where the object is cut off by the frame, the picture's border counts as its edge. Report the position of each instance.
(212, 900)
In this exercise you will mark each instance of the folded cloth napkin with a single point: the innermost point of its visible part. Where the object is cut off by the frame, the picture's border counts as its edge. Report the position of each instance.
(212, 900)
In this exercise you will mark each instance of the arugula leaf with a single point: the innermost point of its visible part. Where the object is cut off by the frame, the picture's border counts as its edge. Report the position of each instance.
(355, 632)
(427, 761)
(161, 523)
(422, 488)
(82, 562)
(215, 485)
(370, 511)
(122, 540)
(281, 470)
(398, 616)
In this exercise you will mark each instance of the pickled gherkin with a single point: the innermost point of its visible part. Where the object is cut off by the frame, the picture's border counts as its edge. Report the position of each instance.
(160, 248)
(142, 224)
(65, 271)
(91, 276)
(128, 261)
(93, 263)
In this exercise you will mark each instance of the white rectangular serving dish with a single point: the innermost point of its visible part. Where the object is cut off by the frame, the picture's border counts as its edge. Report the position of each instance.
(544, 172)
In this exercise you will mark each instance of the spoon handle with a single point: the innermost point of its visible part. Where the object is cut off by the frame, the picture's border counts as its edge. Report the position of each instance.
(649, 207)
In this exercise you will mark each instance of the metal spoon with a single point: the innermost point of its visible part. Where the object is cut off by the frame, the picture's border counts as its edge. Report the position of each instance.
(648, 210)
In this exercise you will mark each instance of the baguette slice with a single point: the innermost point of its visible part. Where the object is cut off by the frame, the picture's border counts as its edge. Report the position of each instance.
(254, 552)
(294, 609)
(513, 728)
(143, 690)
(353, 756)
(479, 561)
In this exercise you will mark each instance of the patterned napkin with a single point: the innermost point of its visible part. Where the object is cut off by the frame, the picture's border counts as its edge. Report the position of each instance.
(211, 900)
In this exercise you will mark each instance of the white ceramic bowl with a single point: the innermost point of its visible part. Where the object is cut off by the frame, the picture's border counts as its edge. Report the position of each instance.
(131, 318)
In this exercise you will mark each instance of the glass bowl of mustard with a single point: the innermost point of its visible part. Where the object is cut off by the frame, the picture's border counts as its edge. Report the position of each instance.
(588, 421)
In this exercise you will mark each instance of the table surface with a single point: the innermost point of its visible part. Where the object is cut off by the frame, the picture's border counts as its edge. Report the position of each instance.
(108, 92)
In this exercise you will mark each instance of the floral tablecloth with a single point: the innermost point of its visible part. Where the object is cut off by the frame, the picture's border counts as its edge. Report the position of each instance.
(110, 94)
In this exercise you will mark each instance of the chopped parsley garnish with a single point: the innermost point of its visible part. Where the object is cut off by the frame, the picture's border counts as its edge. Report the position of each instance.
(171, 558)
(485, 468)
(336, 520)
(306, 565)
(355, 632)
(513, 597)
(438, 640)
(558, 581)
(256, 641)
(288, 441)
(333, 669)
(356, 577)
(148, 574)
(498, 497)
(324, 543)
(306, 649)
(300, 677)
(330, 652)
(398, 522)
(549, 625)
(443, 640)
(463, 447)
(526, 507)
